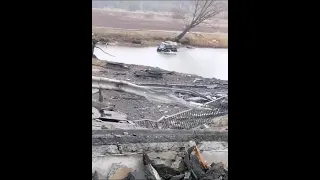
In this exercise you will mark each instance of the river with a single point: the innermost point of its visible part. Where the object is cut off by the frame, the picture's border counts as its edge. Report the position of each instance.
(205, 62)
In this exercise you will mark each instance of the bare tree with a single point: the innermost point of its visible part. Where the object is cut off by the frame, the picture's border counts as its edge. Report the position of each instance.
(203, 10)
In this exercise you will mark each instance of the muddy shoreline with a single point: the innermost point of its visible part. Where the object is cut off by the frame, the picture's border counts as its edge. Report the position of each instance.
(145, 38)
(137, 107)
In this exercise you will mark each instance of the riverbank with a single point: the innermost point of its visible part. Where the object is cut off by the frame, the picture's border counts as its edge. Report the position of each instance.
(137, 107)
(143, 38)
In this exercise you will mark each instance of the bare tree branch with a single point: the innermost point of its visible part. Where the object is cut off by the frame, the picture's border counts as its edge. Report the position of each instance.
(203, 10)
(213, 27)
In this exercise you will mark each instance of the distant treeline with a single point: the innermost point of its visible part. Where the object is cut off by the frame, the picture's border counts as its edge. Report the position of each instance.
(159, 6)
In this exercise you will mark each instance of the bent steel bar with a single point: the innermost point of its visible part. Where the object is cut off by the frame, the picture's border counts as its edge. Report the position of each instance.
(190, 118)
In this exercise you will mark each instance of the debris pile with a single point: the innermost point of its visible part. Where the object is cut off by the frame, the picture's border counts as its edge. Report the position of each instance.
(138, 92)
(191, 166)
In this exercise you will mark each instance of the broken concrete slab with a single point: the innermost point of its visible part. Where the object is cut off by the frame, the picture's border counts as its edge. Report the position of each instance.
(134, 161)
(196, 166)
(118, 171)
(103, 164)
(196, 80)
(150, 172)
(216, 171)
(130, 177)
(220, 121)
(95, 113)
(167, 163)
(94, 91)
(113, 115)
(99, 137)
(138, 175)
(102, 150)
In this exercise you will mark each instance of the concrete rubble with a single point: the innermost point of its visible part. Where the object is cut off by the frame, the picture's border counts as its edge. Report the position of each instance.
(124, 149)
(166, 160)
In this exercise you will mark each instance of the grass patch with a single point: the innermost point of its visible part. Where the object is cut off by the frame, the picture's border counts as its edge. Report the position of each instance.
(152, 38)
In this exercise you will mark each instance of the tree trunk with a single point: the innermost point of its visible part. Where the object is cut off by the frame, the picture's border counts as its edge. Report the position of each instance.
(184, 32)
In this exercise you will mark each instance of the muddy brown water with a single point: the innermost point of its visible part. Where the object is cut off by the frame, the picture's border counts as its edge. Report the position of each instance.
(205, 62)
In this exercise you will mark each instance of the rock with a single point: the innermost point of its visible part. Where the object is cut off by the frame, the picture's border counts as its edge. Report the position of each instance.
(111, 149)
(203, 126)
(216, 171)
(159, 106)
(95, 176)
(113, 115)
(197, 80)
(220, 121)
(197, 99)
(178, 164)
(177, 177)
(213, 86)
(95, 113)
(118, 171)
(187, 175)
(210, 97)
(196, 166)
(193, 164)
(107, 126)
(150, 172)
(130, 176)
(167, 163)
(125, 133)
(135, 175)
(94, 91)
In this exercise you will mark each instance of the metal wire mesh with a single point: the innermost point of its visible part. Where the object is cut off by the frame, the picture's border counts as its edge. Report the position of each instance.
(190, 118)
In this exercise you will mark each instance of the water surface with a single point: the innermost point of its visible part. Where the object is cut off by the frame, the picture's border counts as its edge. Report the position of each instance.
(205, 62)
